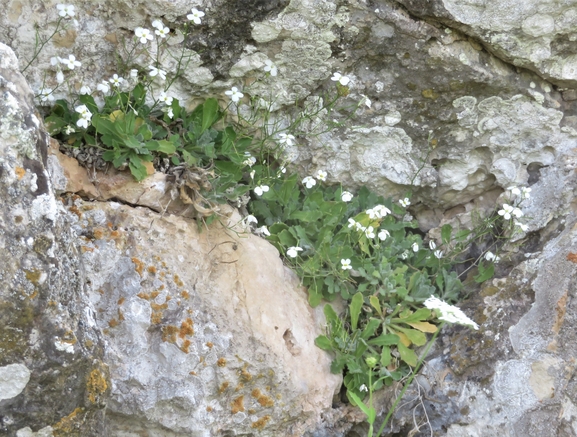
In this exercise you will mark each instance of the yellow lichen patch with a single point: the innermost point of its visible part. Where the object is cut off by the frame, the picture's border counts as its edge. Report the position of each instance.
(144, 295)
(185, 346)
(98, 233)
(209, 344)
(69, 425)
(169, 333)
(74, 209)
(151, 270)
(262, 399)
(35, 276)
(260, 423)
(245, 375)
(177, 281)
(121, 301)
(113, 323)
(239, 386)
(186, 328)
(20, 172)
(209, 408)
(85, 249)
(430, 94)
(223, 387)
(139, 265)
(89, 343)
(252, 411)
(96, 385)
(237, 405)
(184, 294)
(192, 373)
(154, 294)
(221, 362)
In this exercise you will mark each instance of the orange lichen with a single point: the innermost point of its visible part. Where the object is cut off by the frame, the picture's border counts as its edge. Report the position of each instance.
(185, 346)
(98, 233)
(85, 249)
(156, 318)
(113, 323)
(192, 373)
(144, 295)
(95, 385)
(252, 411)
(139, 265)
(262, 399)
(209, 344)
(177, 281)
(114, 234)
(260, 423)
(158, 306)
(186, 328)
(120, 316)
(223, 387)
(154, 294)
(237, 405)
(69, 424)
(169, 333)
(209, 408)
(73, 209)
(20, 172)
(152, 270)
(121, 301)
(185, 294)
(239, 386)
(244, 375)
(572, 257)
(221, 362)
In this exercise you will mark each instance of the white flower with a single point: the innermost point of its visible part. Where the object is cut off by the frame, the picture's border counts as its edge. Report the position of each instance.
(69, 130)
(432, 245)
(46, 95)
(338, 77)
(346, 264)
(71, 62)
(59, 77)
(293, 251)
(363, 388)
(156, 72)
(55, 60)
(322, 175)
(352, 223)
(134, 73)
(405, 255)
(523, 226)
(250, 160)
(517, 212)
(252, 173)
(167, 100)
(251, 219)
(143, 34)
(65, 10)
(366, 101)
(346, 196)
(195, 16)
(309, 182)
(103, 86)
(157, 24)
(82, 122)
(370, 232)
(263, 230)
(360, 227)
(162, 31)
(506, 211)
(415, 247)
(85, 116)
(405, 202)
(287, 139)
(449, 313)
(525, 192)
(116, 80)
(235, 94)
(261, 189)
(383, 235)
(85, 90)
(378, 212)
(170, 113)
(270, 67)
(515, 191)
(490, 256)
(439, 254)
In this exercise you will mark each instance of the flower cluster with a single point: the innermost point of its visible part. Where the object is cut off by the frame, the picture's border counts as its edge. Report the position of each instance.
(449, 313)
(338, 77)
(378, 212)
(85, 116)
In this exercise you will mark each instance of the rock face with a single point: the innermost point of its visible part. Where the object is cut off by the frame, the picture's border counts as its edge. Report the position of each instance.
(123, 320)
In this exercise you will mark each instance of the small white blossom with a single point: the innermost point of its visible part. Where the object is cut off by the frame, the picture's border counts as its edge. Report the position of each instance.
(338, 77)
(309, 182)
(162, 31)
(134, 73)
(143, 34)
(157, 24)
(360, 227)
(525, 192)
(263, 230)
(270, 67)
(167, 100)
(415, 247)
(322, 175)
(405, 202)
(103, 86)
(506, 211)
(515, 191)
(449, 313)
(370, 232)
(405, 255)
(363, 388)
(251, 219)
(287, 139)
(378, 212)
(517, 212)
(46, 95)
(85, 116)
(261, 189)
(235, 94)
(438, 254)
(56, 60)
(490, 256)
(59, 77)
(383, 234)
(156, 72)
(116, 80)
(346, 264)
(352, 223)
(69, 130)
(432, 245)
(346, 196)
(252, 173)
(65, 10)
(85, 90)
(195, 16)
(523, 226)
(250, 160)
(71, 62)
(293, 251)
(366, 101)
(170, 113)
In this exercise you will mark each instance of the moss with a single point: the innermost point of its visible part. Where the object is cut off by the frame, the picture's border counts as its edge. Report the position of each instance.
(16, 321)
(35, 276)
(430, 94)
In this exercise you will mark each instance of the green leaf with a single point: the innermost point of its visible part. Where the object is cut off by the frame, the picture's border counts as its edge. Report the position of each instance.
(137, 168)
(374, 301)
(484, 272)
(323, 342)
(355, 400)
(54, 124)
(370, 328)
(386, 357)
(446, 233)
(407, 355)
(88, 100)
(306, 216)
(209, 113)
(420, 314)
(416, 337)
(330, 314)
(161, 146)
(384, 340)
(355, 309)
